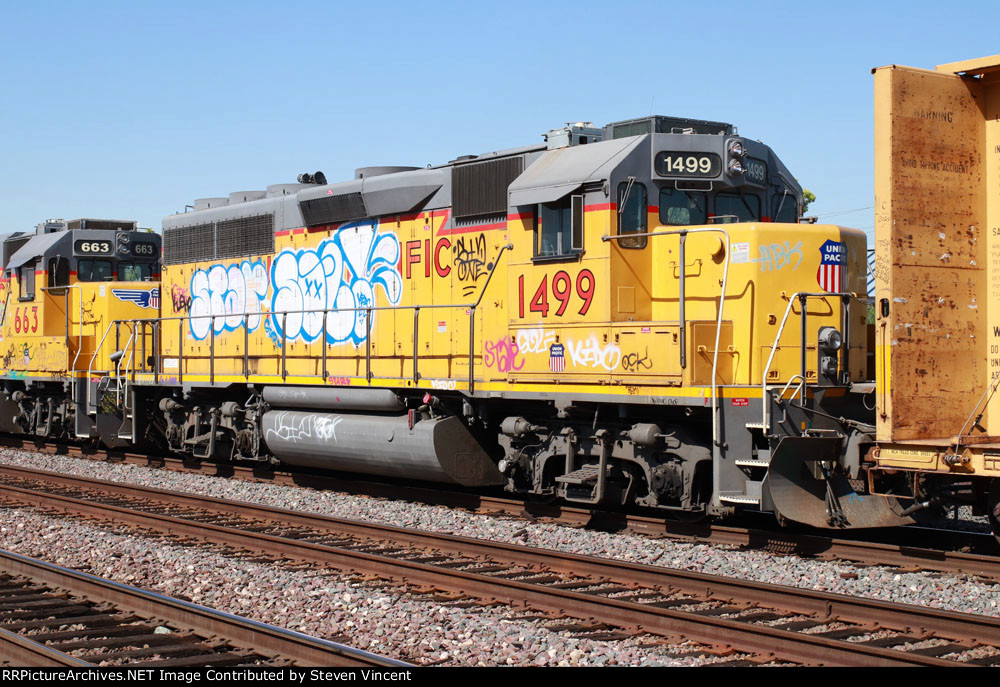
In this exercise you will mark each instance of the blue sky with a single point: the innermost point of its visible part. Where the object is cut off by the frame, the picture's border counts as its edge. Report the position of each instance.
(133, 109)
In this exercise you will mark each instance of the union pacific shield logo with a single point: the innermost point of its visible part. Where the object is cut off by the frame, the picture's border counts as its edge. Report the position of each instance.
(833, 258)
(557, 357)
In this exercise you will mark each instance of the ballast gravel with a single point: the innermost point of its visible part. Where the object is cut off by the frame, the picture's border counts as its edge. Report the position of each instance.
(368, 615)
(935, 590)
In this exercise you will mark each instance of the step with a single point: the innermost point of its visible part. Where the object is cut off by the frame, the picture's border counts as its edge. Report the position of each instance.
(752, 463)
(583, 476)
(741, 499)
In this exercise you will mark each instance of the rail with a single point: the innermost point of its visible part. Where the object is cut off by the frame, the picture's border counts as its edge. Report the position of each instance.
(245, 317)
(506, 573)
(286, 644)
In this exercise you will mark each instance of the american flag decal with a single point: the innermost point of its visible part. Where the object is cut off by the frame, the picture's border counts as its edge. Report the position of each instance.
(557, 357)
(833, 258)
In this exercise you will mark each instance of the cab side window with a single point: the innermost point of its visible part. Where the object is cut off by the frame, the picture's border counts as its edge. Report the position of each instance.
(632, 213)
(559, 228)
(26, 280)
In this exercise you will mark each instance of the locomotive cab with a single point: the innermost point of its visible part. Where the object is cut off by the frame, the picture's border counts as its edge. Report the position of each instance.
(62, 285)
(621, 289)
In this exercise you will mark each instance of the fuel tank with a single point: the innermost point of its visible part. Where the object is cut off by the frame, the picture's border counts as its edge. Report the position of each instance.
(433, 450)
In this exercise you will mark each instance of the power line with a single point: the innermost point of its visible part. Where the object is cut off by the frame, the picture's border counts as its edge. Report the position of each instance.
(845, 212)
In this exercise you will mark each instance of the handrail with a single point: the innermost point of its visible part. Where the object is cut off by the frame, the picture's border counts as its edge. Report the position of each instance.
(90, 366)
(264, 315)
(79, 340)
(130, 358)
(716, 444)
(800, 296)
(799, 388)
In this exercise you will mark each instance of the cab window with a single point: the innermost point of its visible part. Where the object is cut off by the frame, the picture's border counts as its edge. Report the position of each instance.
(682, 208)
(632, 213)
(785, 208)
(731, 208)
(559, 228)
(135, 271)
(26, 280)
(94, 270)
(58, 272)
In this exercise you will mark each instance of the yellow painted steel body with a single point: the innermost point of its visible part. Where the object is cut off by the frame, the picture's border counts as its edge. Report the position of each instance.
(54, 333)
(604, 322)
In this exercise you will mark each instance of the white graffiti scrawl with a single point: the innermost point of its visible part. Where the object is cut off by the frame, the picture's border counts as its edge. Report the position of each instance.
(339, 276)
(591, 353)
(227, 292)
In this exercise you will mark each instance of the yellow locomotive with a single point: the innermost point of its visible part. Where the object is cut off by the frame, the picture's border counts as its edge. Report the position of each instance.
(63, 287)
(627, 315)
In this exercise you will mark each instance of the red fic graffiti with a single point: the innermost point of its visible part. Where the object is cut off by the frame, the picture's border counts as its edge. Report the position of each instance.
(503, 354)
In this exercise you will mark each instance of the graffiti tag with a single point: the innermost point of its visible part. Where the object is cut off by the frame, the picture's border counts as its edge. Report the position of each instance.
(302, 427)
(776, 256)
(338, 276)
(503, 354)
(633, 362)
(181, 298)
(591, 353)
(469, 259)
(535, 340)
(225, 293)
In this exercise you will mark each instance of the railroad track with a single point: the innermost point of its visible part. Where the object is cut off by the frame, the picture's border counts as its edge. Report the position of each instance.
(911, 548)
(53, 616)
(767, 622)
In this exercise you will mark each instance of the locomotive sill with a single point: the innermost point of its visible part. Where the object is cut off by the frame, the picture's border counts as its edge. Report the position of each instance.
(575, 256)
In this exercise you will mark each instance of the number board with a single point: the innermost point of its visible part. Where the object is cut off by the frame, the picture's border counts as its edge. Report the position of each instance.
(756, 171)
(686, 164)
(85, 247)
(144, 249)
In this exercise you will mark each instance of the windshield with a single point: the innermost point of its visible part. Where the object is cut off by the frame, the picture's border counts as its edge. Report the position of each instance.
(135, 271)
(94, 270)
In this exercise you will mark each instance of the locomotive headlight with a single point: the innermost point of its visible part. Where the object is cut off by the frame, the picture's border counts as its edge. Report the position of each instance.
(830, 339)
(736, 167)
(736, 148)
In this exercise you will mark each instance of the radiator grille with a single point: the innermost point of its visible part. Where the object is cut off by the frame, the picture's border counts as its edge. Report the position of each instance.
(236, 238)
(231, 238)
(333, 209)
(480, 188)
